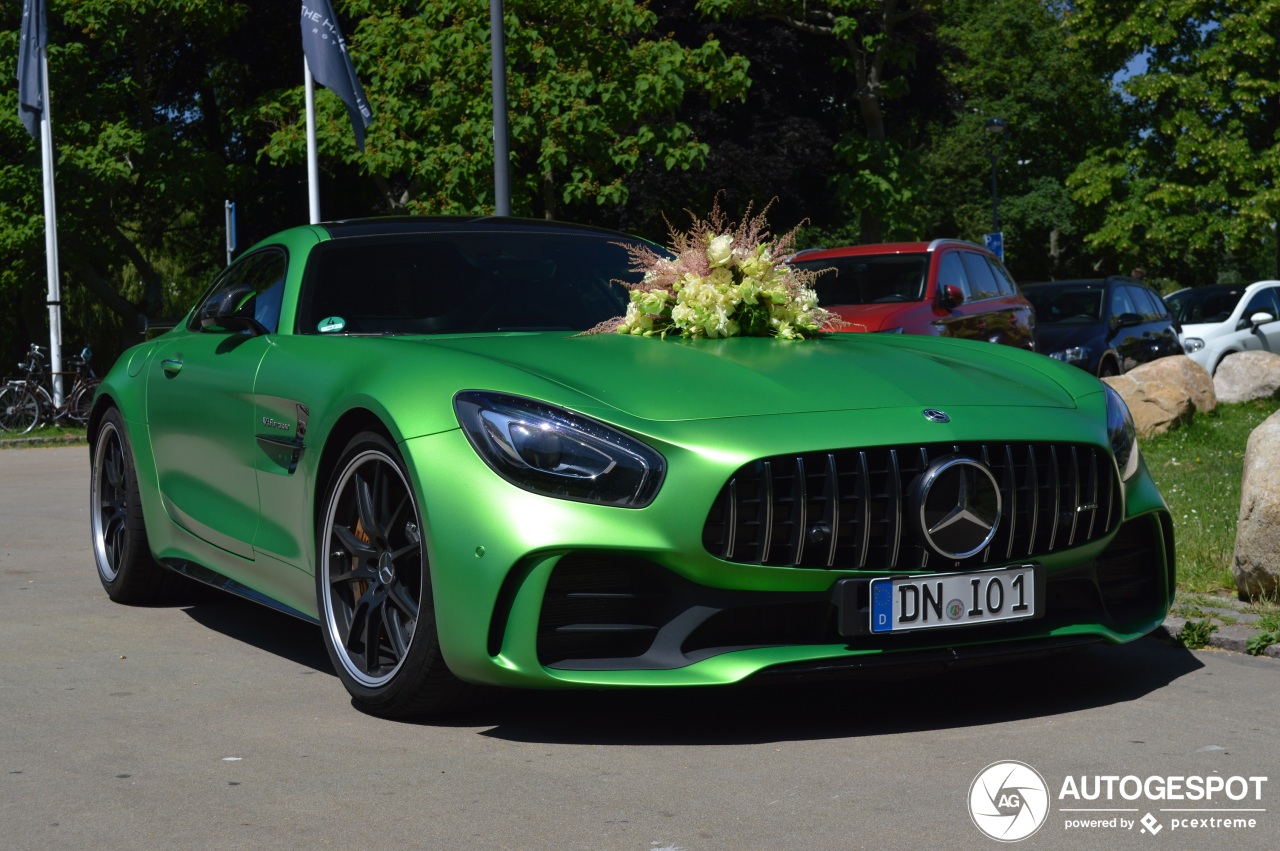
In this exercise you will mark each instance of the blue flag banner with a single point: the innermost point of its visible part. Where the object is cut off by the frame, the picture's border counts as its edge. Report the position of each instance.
(30, 49)
(331, 65)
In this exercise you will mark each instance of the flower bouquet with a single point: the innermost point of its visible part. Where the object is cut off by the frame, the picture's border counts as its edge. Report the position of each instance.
(722, 280)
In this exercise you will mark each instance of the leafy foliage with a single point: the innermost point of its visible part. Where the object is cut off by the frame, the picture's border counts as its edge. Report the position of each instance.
(592, 91)
(863, 116)
(146, 100)
(1260, 641)
(1195, 634)
(872, 44)
(1192, 189)
(1007, 60)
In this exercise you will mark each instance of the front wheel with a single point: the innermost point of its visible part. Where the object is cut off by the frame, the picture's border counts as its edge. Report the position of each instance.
(126, 568)
(19, 409)
(373, 587)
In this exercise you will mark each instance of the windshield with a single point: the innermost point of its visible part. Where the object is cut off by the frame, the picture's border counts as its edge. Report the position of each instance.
(872, 279)
(1208, 304)
(463, 282)
(1055, 305)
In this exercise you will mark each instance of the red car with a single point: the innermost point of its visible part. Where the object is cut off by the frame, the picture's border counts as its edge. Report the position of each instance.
(943, 288)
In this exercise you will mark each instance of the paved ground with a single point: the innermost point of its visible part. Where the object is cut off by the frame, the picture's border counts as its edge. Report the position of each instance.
(212, 723)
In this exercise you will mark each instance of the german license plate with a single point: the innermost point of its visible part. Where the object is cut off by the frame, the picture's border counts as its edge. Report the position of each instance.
(941, 600)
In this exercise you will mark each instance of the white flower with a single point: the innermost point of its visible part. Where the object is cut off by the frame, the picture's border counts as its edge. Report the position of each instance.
(720, 250)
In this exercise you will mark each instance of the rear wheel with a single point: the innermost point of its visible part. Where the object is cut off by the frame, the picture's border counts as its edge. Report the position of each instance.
(373, 587)
(19, 409)
(126, 568)
(81, 401)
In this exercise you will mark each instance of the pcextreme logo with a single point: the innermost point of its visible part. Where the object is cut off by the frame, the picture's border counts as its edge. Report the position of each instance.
(1010, 800)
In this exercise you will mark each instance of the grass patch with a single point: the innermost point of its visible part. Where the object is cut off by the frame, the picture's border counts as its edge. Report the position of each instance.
(1198, 469)
(47, 431)
(1269, 621)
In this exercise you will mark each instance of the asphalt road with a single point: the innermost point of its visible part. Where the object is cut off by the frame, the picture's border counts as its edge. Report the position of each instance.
(212, 723)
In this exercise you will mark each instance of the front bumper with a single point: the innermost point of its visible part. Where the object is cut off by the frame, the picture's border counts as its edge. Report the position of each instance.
(537, 592)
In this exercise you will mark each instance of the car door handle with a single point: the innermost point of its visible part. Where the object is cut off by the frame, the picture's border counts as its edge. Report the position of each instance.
(171, 366)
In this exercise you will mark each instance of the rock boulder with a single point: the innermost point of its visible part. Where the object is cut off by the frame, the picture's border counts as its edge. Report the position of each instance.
(1165, 393)
(1256, 565)
(1247, 375)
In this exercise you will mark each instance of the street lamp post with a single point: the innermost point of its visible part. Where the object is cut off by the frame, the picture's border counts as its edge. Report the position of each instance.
(995, 142)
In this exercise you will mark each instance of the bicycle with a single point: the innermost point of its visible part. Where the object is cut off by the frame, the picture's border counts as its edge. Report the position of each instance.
(26, 402)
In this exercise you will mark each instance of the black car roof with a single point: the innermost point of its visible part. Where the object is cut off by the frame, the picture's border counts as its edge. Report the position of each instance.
(1087, 282)
(406, 225)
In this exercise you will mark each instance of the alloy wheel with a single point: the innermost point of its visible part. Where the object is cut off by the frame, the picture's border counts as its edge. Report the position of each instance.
(374, 568)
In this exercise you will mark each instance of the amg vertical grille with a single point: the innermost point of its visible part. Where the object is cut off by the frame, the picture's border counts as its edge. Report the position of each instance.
(849, 508)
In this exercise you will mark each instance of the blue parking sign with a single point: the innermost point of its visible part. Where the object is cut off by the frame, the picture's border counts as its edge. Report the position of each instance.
(994, 243)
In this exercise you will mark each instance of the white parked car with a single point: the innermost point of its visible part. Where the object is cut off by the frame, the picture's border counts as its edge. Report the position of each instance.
(1224, 319)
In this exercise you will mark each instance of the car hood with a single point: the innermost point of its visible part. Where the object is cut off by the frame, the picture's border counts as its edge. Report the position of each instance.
(1208, 329)
(875, 317)
(679, 379)
(1054, 338)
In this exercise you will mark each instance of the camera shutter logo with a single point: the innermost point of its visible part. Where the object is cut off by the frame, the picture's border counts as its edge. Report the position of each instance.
(1008, 801)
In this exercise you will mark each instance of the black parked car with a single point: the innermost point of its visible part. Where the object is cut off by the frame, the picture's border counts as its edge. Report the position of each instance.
(1105, 326)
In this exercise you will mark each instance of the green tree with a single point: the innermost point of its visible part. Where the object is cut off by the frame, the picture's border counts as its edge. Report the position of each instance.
(1192, 192)
(149, 100)
(876, 47)
(593, 91)
(1006, 59)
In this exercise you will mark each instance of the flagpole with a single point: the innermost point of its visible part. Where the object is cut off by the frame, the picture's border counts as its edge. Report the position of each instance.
(51, 235)
(501, 150)
(313, 169)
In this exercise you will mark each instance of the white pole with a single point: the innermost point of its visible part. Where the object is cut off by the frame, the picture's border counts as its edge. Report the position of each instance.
(501, 135)
(51, 236)
(313, 170)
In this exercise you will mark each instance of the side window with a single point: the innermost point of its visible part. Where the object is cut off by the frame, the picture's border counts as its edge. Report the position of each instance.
(1263, 301)
(951, 273)
(1122, 303)
(1004, 281)
(1147, 303)
(981, 279)
(1161, 309)
(264, 272)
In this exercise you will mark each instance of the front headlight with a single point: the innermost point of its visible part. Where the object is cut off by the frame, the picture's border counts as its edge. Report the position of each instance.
(1122, 434)
(1192, 344)
(1075, 354)
(553, 452)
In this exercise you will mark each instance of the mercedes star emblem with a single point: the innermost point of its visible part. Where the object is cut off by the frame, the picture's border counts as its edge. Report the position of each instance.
(957, 503)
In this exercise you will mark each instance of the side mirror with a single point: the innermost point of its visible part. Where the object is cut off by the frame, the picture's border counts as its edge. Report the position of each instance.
(1128, 320)
(1261, 318)
(232, 310)
(950, 296)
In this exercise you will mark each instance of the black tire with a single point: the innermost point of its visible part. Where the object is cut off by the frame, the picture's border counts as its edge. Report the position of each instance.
(373, 587)
(19, 409)
(1108, 368)
(128, 572)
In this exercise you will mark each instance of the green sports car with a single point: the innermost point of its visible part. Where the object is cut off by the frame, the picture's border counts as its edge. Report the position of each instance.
(393, 428)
